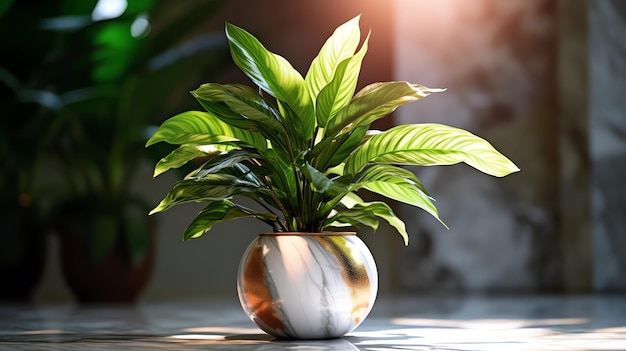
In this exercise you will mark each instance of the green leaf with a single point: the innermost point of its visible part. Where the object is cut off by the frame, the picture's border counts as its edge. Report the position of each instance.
(332, 151)
(274, 75)
(354, 217)
(430, 145)
(285, 181)
(242, 107)
(397, 184)
(359, 211)
(202, 128)
(222, 211)
(211, 187)
(337, 48)
(179, 157)
(375, 101)
(322, 183)
(338, 93)
(247, 166)
(223, 161)
(294, 141)
(391, 174)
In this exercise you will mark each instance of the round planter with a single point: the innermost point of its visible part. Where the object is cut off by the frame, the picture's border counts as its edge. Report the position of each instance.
(307, 285)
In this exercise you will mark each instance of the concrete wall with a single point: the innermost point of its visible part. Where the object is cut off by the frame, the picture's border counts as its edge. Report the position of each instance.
(607, 127)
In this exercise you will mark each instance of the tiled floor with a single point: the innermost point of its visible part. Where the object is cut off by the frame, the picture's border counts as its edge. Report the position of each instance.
(421, 323)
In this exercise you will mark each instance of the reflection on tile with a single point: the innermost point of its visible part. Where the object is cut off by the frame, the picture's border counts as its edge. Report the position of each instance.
(486, 323)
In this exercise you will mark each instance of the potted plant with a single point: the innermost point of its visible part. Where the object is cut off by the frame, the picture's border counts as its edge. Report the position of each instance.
(102, 74)
(301, 148)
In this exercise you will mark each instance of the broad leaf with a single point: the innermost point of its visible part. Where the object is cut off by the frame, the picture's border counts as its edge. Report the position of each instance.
(201, 128)
(211, 187)
(222, 211)
(353, 217)
(242, 107)
(274, 75)
(179, 157)
(332, 151)
(230, 159)
(391, 174)
(294, 141)
(375, 101)
(322, 183)
(429, 145)
(340, 90)
(381, 179)
(257, 176)
(363, 212)
(339, 46)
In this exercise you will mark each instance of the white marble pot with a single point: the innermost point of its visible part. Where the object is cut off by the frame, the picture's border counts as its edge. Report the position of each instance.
(307, 285)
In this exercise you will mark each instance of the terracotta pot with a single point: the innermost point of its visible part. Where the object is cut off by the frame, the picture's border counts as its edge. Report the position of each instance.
(107, 250)
(113, 279)
(307, 285)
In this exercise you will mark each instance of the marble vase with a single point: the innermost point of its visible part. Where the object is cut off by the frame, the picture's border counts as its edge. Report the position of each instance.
(307, 285)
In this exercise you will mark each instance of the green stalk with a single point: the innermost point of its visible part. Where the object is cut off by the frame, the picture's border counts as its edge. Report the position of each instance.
(260, 201)
(281, 206)
(300, 201)
(298, 181)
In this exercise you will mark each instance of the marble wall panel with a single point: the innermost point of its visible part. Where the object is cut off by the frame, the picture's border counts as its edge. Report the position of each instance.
(497, 61)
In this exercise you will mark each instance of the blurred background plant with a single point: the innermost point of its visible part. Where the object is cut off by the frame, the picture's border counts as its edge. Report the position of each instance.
(80, 83)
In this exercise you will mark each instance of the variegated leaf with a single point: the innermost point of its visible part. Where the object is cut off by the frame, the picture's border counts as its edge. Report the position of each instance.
(179, 158)
(429, 145)
(340, 90)
(375, 101)
(211, 187)
(338, 47)
(202, 128)
(363, 212)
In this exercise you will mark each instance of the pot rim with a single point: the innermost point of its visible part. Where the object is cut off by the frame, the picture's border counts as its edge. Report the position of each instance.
(327, 233)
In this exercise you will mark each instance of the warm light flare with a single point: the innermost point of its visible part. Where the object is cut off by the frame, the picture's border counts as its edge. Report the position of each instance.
(222, 330)
(493, 324)
(43, 332)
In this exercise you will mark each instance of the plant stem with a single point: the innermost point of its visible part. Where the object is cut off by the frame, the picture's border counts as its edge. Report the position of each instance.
(268, 184)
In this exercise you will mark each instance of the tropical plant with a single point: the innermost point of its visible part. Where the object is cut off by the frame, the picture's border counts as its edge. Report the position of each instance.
(301, 148)
(118, 64)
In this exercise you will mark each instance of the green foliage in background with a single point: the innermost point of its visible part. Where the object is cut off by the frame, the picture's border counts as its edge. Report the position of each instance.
(79, 90)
